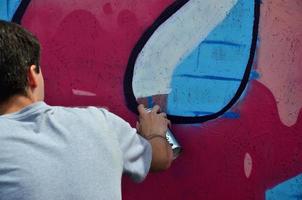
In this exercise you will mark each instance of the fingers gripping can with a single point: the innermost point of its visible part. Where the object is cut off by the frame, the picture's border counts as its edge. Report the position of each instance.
(176, 148)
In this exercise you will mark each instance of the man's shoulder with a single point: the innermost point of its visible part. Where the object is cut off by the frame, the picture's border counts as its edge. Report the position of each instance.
(81, 110)
(86, 116)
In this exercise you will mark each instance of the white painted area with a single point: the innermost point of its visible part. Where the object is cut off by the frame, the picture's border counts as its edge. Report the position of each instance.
(173, 41)
(82, 93)
(248, 165)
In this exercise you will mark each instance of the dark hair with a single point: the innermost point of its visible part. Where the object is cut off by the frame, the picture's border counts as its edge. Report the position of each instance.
(19, 49)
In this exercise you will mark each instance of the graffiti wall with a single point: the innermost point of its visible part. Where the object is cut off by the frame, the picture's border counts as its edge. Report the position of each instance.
(228, 73)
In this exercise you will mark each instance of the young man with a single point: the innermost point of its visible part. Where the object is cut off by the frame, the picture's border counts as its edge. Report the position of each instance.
(62, 153)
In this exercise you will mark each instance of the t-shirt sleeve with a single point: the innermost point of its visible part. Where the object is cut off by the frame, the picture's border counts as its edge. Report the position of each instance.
(136, 151)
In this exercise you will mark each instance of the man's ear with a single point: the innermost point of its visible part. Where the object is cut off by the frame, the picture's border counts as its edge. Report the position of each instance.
(32, 77)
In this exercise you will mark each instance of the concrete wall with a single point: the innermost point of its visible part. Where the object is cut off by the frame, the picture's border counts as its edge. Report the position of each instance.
(227, 72)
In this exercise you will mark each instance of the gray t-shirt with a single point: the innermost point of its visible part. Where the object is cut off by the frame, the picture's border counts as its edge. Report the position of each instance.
(58, 153)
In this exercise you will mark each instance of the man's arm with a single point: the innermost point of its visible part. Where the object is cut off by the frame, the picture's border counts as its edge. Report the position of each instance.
(153, 126)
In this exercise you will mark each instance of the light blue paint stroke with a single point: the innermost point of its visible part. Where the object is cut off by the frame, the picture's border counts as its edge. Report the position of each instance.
(288, 190)
(210, 76)
(8, 9)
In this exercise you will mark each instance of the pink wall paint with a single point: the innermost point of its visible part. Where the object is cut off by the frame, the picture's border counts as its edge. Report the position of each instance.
(280, 55)
(86, 45)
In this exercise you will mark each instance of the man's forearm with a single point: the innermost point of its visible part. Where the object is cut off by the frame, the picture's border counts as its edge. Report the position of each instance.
(162, 154)
(153, 126)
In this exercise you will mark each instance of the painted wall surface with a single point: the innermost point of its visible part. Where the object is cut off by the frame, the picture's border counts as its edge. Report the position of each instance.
(229, 74)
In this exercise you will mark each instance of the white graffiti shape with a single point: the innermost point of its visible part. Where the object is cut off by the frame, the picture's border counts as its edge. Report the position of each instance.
(173, 41)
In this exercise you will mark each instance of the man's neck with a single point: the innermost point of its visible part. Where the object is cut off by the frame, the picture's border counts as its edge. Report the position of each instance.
(15, 104)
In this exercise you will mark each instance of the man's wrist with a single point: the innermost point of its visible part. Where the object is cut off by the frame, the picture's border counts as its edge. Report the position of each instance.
(152, 136)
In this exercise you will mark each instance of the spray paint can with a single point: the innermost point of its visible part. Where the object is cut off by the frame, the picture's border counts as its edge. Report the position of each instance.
(174, 143)
(176, 148)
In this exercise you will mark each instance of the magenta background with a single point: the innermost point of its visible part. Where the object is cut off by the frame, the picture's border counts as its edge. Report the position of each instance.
(86, 45)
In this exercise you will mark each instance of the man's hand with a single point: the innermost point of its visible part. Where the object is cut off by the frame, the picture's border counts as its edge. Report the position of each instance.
(153, 126)
(152, 122)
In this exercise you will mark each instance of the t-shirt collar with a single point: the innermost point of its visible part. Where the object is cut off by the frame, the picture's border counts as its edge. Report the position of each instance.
(30, 109)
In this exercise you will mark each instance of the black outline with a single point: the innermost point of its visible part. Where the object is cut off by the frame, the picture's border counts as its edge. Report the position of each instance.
(129, 95)
(20, 11)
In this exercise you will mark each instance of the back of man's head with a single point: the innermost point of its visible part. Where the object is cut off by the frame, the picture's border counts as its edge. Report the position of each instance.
(19, 49)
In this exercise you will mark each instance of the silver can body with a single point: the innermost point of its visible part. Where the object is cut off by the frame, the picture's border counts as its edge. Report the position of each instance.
(174, 143)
